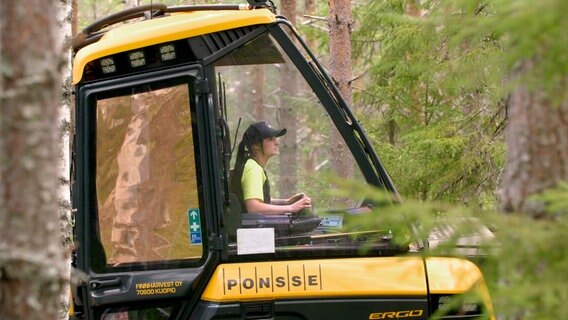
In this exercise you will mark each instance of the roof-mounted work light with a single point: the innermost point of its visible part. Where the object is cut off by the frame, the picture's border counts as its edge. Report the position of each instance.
(167, 52)
(137, 58)
(107, 65)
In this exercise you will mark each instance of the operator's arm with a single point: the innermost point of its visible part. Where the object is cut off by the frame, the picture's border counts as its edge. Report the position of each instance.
(253, 180)
(257, 206)
(290, 200)
(279, 202)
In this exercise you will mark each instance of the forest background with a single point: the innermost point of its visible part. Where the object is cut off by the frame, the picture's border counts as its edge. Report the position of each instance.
(467, 106)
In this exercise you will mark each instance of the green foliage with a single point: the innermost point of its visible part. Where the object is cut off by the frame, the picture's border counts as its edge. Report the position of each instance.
(435, 98)
(426, 217)
(436, 93)
(526, 30)
(442, 128)
(524, 264)
(555, 200)
(437, 163)
(528, 274)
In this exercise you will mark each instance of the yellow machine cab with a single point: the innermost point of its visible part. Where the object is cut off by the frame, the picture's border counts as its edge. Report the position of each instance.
(207, 140)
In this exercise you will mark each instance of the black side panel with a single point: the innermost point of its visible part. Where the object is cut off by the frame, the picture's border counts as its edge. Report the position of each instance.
(369, 308)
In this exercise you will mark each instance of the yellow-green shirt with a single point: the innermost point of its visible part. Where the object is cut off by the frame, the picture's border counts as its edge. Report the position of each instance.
(253, 180)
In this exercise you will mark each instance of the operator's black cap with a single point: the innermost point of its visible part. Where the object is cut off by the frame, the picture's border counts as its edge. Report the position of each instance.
(267, 131)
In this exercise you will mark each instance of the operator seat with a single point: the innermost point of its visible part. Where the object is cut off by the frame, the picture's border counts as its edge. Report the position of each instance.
(233, 216)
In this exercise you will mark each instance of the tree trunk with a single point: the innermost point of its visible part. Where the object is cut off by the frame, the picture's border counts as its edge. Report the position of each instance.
(258, 75)
(288, 144)
(310, 10)
(67, 25)
(537, 142)
(32, 262)
(339, 22)
(74, 17)
(310, 7)
(94, 11)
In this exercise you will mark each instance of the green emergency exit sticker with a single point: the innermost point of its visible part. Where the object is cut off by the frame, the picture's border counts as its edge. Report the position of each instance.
(194, 226)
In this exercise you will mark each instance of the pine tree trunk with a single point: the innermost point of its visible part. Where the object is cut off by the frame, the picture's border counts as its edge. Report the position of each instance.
(537, 142)
(32, 262)
(288, 144)
(310, 10)
(339, 22)
(258, 93)
(74, 17)
(309, 159)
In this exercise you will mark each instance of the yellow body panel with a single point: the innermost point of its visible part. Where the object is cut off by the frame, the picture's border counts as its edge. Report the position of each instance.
(452, 276)
(316, 278)
(388, 276)
(456, 276)
(164, 29)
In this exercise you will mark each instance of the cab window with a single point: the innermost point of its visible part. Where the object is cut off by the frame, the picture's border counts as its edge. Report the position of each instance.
(146, 182)
(312, 159)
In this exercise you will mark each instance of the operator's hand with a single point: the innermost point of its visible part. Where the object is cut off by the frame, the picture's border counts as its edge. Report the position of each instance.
(295, 198)
(300, 204)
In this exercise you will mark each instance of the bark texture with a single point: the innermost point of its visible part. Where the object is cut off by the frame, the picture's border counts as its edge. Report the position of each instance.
(537, 142)
(288, 118)
(67, 20)
(31, 254)
(258, 74)
(340, 67)
(310, 10)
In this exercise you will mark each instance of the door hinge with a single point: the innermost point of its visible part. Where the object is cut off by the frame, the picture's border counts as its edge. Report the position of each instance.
(216, 242)
(202, 87)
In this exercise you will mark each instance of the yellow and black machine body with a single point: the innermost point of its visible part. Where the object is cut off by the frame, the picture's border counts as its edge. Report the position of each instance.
(163, 95)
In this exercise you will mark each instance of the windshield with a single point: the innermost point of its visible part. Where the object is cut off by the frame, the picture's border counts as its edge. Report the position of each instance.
(308, 160)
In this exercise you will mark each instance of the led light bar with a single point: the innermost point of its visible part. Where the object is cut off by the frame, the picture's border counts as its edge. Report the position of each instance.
(167, 52)
(107, 65)
(137, 58)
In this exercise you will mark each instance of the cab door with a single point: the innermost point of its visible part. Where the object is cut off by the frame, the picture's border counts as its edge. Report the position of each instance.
(143, 195)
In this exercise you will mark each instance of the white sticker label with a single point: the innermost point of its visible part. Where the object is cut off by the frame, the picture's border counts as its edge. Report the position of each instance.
(255, 240)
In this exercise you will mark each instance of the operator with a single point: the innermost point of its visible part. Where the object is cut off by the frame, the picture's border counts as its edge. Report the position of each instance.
(249, 180)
